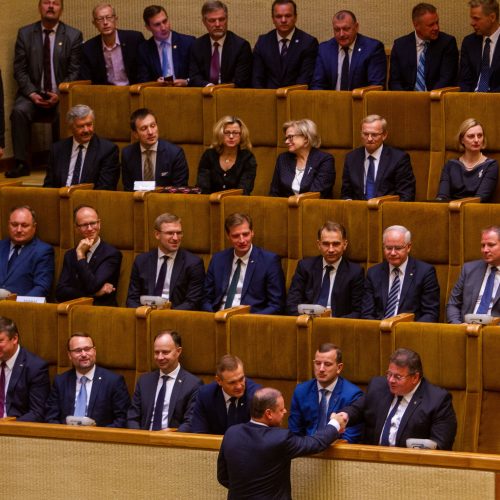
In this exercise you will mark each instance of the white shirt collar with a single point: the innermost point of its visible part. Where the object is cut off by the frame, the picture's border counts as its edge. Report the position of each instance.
(90, 374)
(376, 154)
(12, 360)
(173, 374)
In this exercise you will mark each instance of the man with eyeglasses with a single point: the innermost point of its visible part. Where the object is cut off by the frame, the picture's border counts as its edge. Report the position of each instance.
(401, 284)
(87, 390)
(168, 271)
(110, 58)
(404, 405)
(376, 169)
(313, 401)
(92, 268)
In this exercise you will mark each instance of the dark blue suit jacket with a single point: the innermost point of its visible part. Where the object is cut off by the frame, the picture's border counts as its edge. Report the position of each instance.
(319, 174)
(108, 403)
(270, 71)
(303, 419)
(93, 66)
(419, 294)
(470, 64)
(347, 290)
(394, 175)
(368, 65)
(33, 271)
(171, 167)
(149, 64)
(100, 167)
(29, 386)
(210, 411)
(429, 415)
(236, 61)
(180, 406)
(441, 63)
(254, 460)
(263, 287)
(186, 282)
(80, 278)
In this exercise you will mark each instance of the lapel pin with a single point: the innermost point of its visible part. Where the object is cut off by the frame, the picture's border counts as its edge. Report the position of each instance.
(60, 43)
(174, 46)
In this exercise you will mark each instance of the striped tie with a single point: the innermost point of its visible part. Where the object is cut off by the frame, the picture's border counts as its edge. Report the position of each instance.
(392, 301)
(420, 83)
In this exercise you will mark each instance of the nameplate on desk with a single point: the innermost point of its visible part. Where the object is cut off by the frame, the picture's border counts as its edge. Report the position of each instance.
(25, 298)
(144, 185)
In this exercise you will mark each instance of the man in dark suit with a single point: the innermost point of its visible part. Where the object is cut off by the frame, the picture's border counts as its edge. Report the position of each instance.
(220, 56)
(480, 54)
(222, 403)
(164, 398)
(313, 401)
(180, 282)
(401, 284)
(244, 274)
(284, 56)
(349, 60)
(47, 53)
(26, 262)
(92, 268)
(24, 378)
(376, 169)
(426, 59)
(110, 58)
(84, 157)
(329, 279)
(254, 458)
(151, 158)
(477, 290)
(87, 390)
(165, 56)
(404, 405)
(2, 119)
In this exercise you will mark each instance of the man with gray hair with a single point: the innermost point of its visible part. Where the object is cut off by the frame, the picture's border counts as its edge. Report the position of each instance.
(375, 169)
(168, 271)
(84, 157)
(401, 284)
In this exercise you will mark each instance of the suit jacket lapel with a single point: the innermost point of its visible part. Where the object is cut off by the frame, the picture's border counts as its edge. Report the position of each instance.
(37, 52)
(65, 159)
(58, 49)
(337, 391)
(384, 283)
(382, 166)
(335, 63)
(24, 256)
(408, 281)
(476, 286)
(251, 265)
(226, 271)
(176, 270)
(88, 166)
(152, 263)
(70, 393)
(4, 258)
(17, 369)
(176, 390)
(96, 386)
(339, 283)
(385, 404)
(317, 277)
(410, 409)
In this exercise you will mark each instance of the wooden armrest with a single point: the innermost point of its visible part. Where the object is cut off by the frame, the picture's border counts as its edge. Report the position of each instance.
(437, 94)
(219, 195)
(284, 91)
(374, 203)
(295, 199)
(361, 91)
(225, 314)
(65, 87)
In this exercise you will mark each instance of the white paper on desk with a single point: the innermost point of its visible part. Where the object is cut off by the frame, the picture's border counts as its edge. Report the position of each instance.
(25, 298)
(144, 185)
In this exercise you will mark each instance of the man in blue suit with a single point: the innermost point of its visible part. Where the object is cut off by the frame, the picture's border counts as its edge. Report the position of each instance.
(482, 44)
(87, 390)
(401, 284)
(438, 52)
(26, 263)
(349, 60)
(222, 403)
(110, 58)
(284, 56)
(181, 283)
(313, 401)
(165, 397)
(376, 169)
(151, 158)
(24, 378)
(244, 274)
(329, 279)
(254, 458)
(477, 290)
(165, 56)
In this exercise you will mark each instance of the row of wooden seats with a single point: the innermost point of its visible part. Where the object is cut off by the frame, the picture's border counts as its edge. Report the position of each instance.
(422, 123)
(278, 350)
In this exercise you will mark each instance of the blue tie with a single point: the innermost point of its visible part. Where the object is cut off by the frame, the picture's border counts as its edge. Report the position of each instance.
(77, 171)
(232, 412)
(160, 400)
(384, 440)
(392, 300)
(323, 410)
(14, 256)
(160, 282)
(165, 69)
(370, 179)
(344, 76)
(484, 75)
(325, 287)
(420, 82)
(81, 400)
(484, 305)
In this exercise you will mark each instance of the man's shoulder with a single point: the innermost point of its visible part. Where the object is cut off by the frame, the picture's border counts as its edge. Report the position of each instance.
(209, 391)
(131, 148)
(105, 374)
(102, 143)
(349, 265)
(381, 267)
(347, 387)
(188, 377)
(168, 146)
(363, 40)
(143, 257)
(355, 153)
(130, 36)
(108, 248)
(328, 45)
(262, 253)
(304, 36)
(201, 41)
(234, 39)
(68, 30)
(428, 389)
(472, 39)
(445, 38)
(419, 264)
(304, 388)
(30, 28)
(41, 245)
(307, 263)
(405, 40)
(182, 38)
(189, 258)
(474, 266)
(31, 359)
(394, 153)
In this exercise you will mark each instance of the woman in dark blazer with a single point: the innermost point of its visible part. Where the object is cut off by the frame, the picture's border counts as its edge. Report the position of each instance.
(473, 174)
(304, 168)
(229, 162)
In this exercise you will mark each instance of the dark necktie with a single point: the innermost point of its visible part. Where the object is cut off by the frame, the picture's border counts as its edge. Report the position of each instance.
(78, 166)
(420, 81)
(160, 282)
(165, 69)
(484, 305)
(392, 300)
(344, 76)
(323, 410)
(370, 179)
(215, 65)
(284, 48)
(325, 287)
(160, 400)
(2, 388)
(384, 440)
(47, 70)
(81, 400)
(14, 256)
(148, 166)
(232, 412)
(231, 291)
(484, 75)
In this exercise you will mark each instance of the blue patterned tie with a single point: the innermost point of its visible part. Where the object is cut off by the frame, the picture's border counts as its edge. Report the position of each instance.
(392, 301)
(165, 68)
(384, 440)
(323, 409)
(484, 305)
(325, 287)
(81, 400)
(420, 82)
(484, 76)
(370, 179)
(160, 400)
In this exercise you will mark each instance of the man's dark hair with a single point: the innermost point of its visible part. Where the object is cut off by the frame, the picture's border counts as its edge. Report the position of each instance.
(235, 220)
(228, 363)
(333, 226)
(212, 6)
(25, 207)
(284, 2)
(8, 327)
(422, 8)
(152, 11)
(264, 399)
(407, 358)
(343, 13)
(175, 337)
(140, 114)
(79, 334)
(328, 346)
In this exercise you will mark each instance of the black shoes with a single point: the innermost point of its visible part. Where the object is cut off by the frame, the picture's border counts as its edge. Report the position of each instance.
(19, 170)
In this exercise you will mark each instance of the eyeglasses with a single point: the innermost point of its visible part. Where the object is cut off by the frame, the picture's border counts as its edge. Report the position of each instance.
(100, 20)
(229, 133)
(291, 137)
(79, 350)
(396, 376)
(395, 248)
(172, 233)
(375, 135)
(90, 225)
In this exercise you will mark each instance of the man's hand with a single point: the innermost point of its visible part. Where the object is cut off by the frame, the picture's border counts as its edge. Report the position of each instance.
(83, 248)
(106, 288)
(39, 101)
(342, 418)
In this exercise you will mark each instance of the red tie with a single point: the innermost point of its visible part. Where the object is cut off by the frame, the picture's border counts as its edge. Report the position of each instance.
(2, 389)
(215, 65)
(47, 71)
